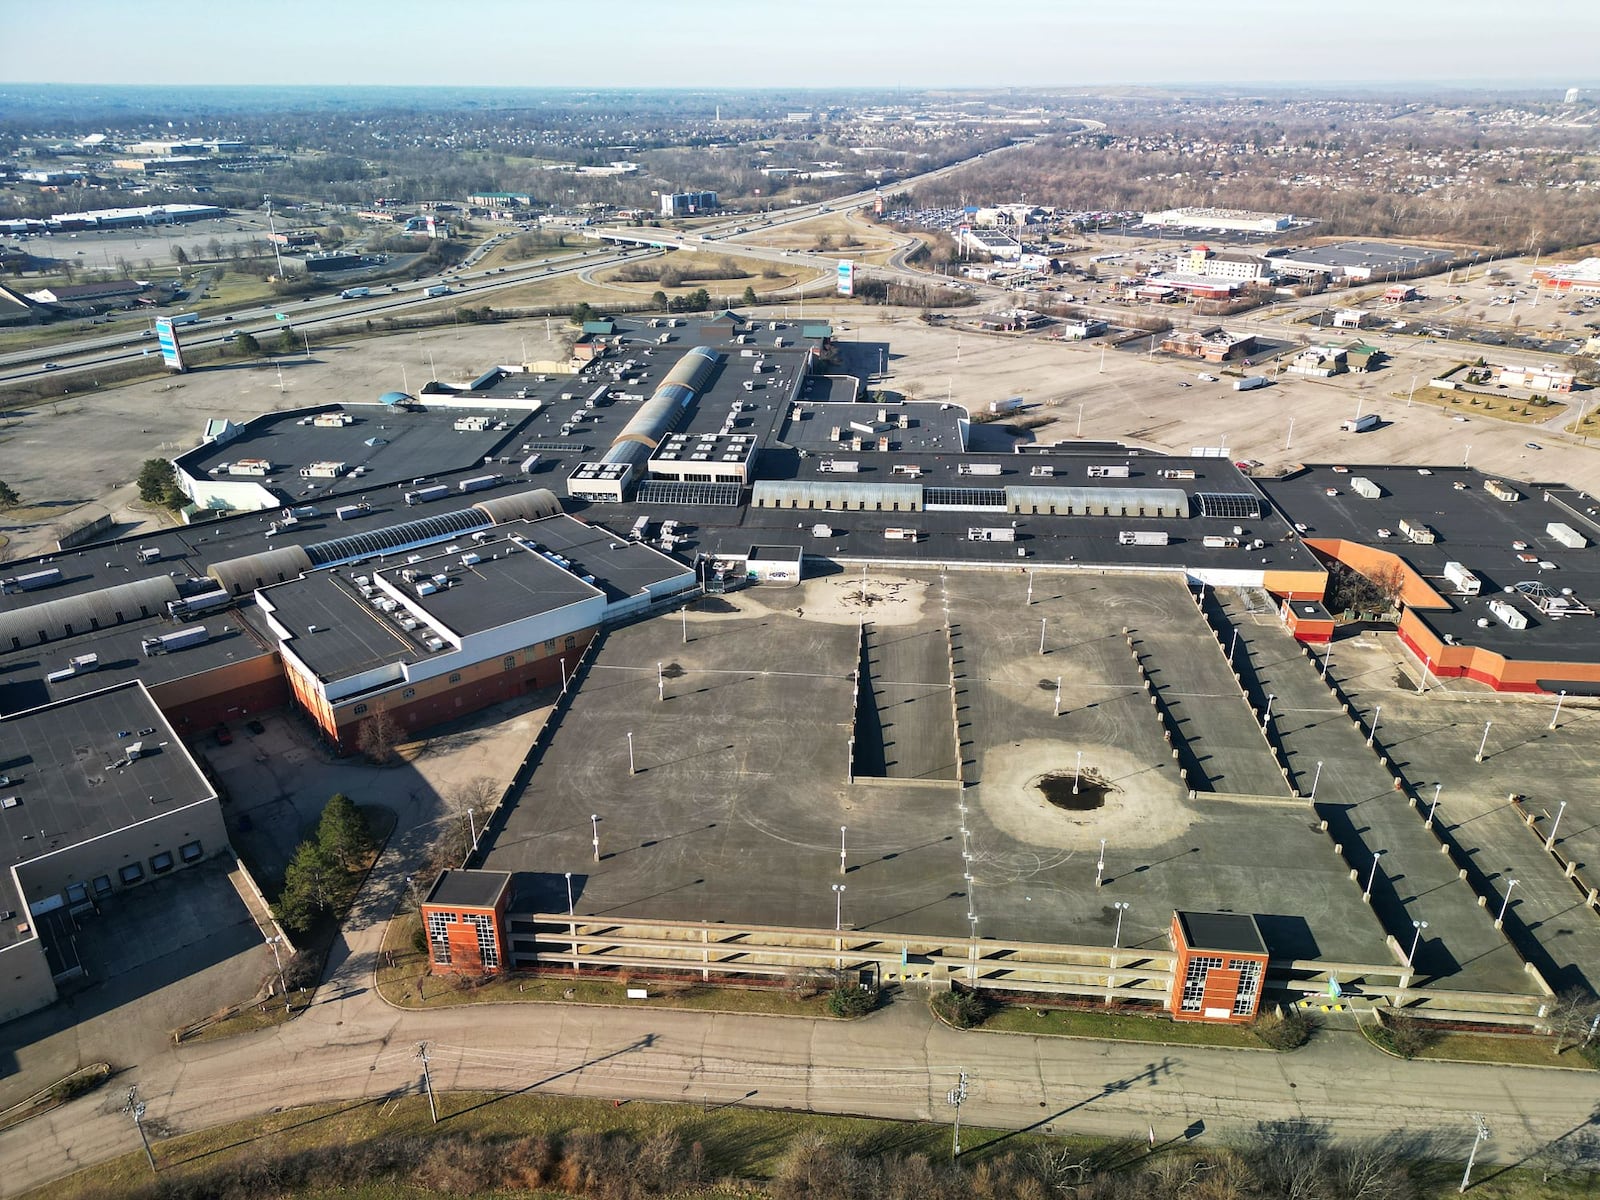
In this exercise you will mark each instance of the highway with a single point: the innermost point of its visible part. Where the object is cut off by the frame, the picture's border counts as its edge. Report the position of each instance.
(466, 284)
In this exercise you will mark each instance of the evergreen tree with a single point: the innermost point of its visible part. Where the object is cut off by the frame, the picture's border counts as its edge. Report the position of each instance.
(342, 832)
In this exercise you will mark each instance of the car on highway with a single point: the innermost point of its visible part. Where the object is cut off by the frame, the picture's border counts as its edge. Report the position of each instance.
(1533, 446)
(52, 366)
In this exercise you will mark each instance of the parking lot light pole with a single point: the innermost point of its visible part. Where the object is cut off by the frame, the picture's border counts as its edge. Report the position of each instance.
(850, 761)
(1372, 876)
(1550, 842)
(1116, 944)
(1505, 903)
(1483, 745)
(1077, 774)
(1419, 926)
(594, 829)
(841, 849)
(1315, 779)
(1058, 696)
(1266, 717)
(1428, 824)
(1373, 732)
(1557, 715)
(1100, 867)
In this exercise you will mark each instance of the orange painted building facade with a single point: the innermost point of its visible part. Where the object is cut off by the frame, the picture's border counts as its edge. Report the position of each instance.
(465, 919)
(1220, 968)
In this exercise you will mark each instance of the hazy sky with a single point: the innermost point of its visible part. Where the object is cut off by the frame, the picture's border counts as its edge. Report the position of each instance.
(800, 43)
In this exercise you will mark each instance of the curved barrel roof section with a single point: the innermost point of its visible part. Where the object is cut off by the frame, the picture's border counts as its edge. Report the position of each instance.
(59, 618)
(657, 415)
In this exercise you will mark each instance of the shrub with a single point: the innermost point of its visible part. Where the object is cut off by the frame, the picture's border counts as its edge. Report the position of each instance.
(1284, 1030)
(846, 1000)
(1401, 1033)
(963, 1010)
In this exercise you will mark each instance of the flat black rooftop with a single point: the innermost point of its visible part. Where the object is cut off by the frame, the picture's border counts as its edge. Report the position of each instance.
(1378, 256)
(509, 581)
(469, 889)
(620, 567)
(333, 630)
(1222, 931)
(68, 767)
(407, 443)
(1475, 529)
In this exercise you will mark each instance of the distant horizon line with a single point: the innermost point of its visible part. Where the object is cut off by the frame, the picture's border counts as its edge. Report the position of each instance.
(1410, 84)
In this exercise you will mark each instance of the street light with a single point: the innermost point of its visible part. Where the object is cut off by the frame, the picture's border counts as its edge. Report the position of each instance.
(1483, 744)
(1315, 778)
(1058, 696)
(1116, 938)
(1372, 876)
(841, 849)
(1100, 867)
(1505, 903)
(1436, 787)
(630, 752)
(569, 893)
(1557, 715)
(1373, 732)
(1550, 842)
(1419, 926)
(1266, 717)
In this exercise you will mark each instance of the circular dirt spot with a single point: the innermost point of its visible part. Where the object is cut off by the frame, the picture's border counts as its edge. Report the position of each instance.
(1074, 791)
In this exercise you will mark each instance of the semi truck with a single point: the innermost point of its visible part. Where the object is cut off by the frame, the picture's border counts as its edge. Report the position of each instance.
(1251, 381)
(1359, 424)
(354, 293)
(1142, 537)
(438, 289)
(166, 643)
(991, 534)
(423, 495)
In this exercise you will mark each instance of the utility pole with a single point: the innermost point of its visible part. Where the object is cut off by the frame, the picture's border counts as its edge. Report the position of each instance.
(955, 1098)
(1472, 1157)
(134, 1107)
(427, 1081)
(277, 959)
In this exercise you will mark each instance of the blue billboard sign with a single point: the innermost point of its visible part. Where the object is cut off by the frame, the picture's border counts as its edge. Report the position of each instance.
(167, 339)
(847, 278)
